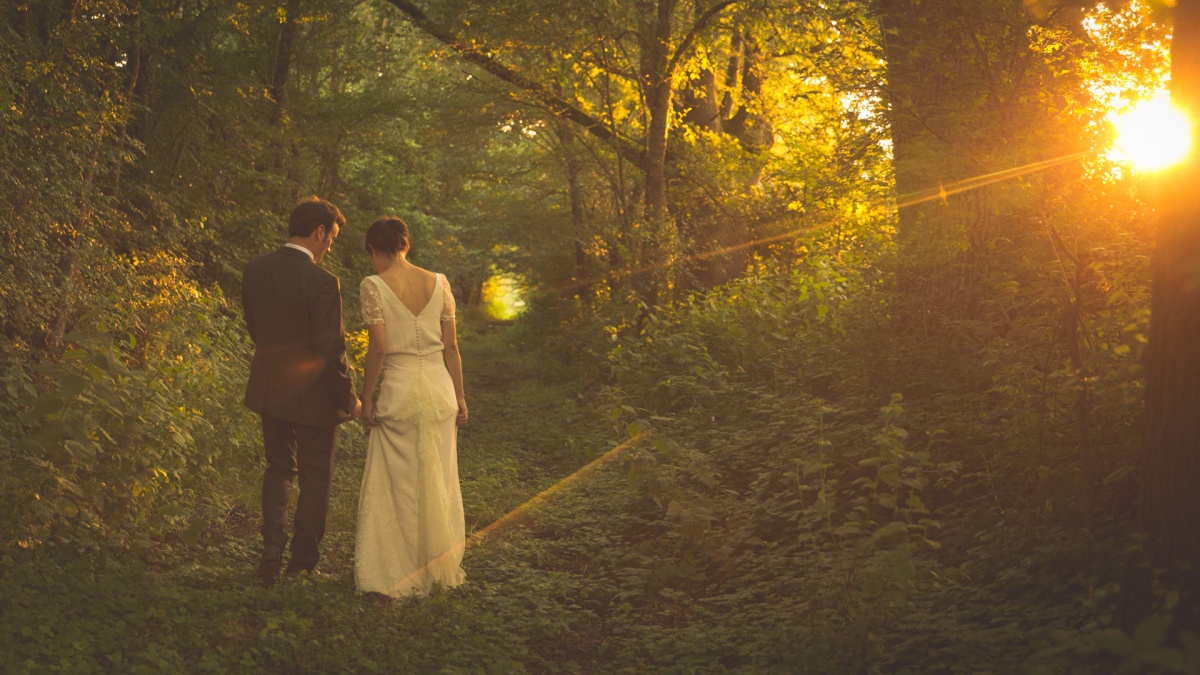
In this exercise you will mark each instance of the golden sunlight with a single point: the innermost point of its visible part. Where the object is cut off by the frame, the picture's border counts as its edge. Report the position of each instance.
(1152, 135)
(503, 296)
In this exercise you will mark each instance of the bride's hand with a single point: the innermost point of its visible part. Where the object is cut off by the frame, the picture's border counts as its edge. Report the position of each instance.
(368, 413)
(462, 412)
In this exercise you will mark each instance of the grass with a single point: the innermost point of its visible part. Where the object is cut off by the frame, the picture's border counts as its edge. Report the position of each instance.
(599, 578)
(197, 608)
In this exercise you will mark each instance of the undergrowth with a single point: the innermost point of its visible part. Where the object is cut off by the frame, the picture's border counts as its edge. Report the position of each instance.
(751, 526)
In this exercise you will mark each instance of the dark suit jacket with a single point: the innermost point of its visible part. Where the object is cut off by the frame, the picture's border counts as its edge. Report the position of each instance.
(293, 311)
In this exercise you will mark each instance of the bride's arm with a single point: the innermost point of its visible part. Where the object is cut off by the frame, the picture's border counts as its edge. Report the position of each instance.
(450, 349)
(376, 352)
(454, 366)
(372, 312)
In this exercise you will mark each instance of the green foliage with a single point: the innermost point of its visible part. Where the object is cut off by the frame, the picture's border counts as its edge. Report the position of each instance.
(1148, 650)
(846, 454)
(108, 453)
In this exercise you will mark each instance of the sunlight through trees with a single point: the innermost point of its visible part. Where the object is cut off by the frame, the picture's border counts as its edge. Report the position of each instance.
(869, 292)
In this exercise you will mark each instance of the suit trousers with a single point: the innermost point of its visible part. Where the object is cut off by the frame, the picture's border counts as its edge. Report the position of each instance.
(296, 449)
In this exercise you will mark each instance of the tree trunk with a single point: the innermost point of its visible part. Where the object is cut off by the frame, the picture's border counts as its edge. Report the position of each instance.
(656, 82)
(575, 193)
(748, 124)
(1169, 509)
(656, 37)
(282, 60)
(947, 115)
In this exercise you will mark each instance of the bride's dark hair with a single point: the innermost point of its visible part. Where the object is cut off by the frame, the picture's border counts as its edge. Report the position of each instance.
(387, 235)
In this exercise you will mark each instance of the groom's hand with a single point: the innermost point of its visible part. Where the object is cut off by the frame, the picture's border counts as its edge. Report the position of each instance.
(368, 414)
(352, 413)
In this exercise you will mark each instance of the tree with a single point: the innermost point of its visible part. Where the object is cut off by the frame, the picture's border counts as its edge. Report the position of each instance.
(1169, 509)
(646, 44)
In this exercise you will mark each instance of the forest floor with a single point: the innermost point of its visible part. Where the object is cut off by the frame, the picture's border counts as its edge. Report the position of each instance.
(588, 581)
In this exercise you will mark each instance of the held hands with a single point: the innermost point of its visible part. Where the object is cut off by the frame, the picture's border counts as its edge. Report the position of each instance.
(462, 412)
(368, 413)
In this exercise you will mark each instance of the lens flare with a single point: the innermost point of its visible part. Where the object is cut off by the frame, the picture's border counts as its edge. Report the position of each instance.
(1153, 135)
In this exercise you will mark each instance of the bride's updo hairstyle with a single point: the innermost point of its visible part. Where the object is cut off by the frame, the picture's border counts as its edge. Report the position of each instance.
(387, 235)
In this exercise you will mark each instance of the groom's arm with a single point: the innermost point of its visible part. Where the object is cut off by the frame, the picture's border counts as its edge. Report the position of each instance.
(329, 341)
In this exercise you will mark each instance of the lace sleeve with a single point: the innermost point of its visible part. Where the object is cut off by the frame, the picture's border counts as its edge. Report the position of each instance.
(372, 304)
(447, 300)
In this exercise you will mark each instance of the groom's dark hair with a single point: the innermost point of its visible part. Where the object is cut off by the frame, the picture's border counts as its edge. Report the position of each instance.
(312, 213)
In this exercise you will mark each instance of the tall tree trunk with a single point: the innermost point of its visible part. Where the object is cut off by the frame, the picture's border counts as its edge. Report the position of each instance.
(277, 88)
(1169, 509)
(955, 72)
(748, 125)
(134, 58)
(656, 79)
(575, 193)
(657, 35)
(281, 61)
(900, 36)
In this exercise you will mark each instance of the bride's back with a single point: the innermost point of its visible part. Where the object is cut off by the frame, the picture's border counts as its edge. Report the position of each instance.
(413, 286)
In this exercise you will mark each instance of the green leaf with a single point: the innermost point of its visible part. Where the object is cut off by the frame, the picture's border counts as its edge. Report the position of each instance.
(66, 507)
(891, 529)
(1151, 633)
(48, 404)
(70, 386)
(1170, 659)
(194, 530)
(69, 486)
(1191, 649)
(1115, 642)
(1118, 474)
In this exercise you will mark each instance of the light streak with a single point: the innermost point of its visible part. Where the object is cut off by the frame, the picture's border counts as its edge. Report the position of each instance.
(519, 512)
(942, 192)
(536, 500)
(957, 187)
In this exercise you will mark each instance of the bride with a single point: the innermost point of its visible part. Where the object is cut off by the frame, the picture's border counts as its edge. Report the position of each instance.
(410, 512)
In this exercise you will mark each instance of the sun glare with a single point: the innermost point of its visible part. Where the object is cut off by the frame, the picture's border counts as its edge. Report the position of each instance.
(1153, 135)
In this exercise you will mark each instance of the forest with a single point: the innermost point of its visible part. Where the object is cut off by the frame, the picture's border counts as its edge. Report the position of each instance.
(825, 336)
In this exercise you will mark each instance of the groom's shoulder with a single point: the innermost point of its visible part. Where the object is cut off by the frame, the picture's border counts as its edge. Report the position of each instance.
(265, 260)
(323, 274)
(283, 261)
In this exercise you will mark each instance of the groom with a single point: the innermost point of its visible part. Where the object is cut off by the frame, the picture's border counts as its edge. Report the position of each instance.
(299, 381)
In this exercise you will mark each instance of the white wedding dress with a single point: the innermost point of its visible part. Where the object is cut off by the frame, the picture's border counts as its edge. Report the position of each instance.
(410, 511)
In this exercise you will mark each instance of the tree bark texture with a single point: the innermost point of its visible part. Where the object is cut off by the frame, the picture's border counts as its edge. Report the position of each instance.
(958, 86)
(1169, 508)
(657, 37)
(282, 60)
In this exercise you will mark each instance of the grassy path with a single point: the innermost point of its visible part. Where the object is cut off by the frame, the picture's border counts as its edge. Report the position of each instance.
(197, 609)
(598, 579)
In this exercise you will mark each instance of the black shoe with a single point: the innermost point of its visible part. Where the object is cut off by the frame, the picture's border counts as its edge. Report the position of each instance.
(269, 565)
(268, 572)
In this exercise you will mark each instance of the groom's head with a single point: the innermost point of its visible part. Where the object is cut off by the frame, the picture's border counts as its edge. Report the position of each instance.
(315, 224)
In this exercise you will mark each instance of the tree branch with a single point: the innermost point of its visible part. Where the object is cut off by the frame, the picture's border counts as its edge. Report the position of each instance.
(701, 24)
(554, 104)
